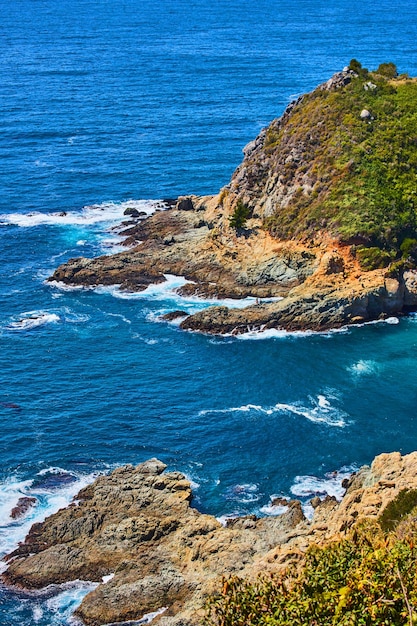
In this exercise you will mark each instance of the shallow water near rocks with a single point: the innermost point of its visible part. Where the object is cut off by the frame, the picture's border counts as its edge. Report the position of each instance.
(107, 107)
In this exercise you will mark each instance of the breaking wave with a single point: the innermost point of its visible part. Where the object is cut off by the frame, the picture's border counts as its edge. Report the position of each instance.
(107, 212)
(320, 411)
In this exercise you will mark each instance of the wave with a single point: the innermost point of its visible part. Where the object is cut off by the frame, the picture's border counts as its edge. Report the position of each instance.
(167, 292)
(107, 212)
(280, 333)
(307, 487)
(33, 319)
(273, 510)
(243, 493)
(321, 411)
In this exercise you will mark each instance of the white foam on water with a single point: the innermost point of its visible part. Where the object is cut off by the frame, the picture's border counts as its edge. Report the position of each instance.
(330, 484)
(122, 317)
(10, 492)
(364, 367)
(146, 619)
(33, 319)
(48, 501)
(107, 579)
(273, 509)
(321, 411)
(167, 292)
(57, 284)
(63, 604)
(280, 333)
(243, 493)
(107, 212)
(307, 487)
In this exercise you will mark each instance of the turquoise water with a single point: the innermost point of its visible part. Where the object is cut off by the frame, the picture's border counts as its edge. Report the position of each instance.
(106, 105)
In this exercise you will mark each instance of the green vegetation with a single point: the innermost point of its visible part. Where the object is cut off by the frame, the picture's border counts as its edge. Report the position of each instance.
(398, 508)
(372, 258)
(369, 578)
(361, 172)
(240, 216)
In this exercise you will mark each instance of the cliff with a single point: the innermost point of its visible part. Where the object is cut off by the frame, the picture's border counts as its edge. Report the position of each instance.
(321, 213)
(137, 525)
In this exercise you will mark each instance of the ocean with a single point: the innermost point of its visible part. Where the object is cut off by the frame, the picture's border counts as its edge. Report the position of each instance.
(111, 105)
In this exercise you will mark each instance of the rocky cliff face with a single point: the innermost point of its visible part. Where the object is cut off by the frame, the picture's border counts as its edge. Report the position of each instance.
(327, 195)
(137, 523)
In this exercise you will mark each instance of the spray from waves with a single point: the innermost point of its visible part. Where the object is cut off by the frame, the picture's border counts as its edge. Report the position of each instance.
(108, 213)
(307, 487)
(321, 411)
(279, 333)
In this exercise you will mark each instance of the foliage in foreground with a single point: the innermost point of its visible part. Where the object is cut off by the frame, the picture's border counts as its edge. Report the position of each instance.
(367, 578)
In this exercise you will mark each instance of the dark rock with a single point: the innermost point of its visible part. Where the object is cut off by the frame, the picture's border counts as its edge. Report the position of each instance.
(185, 203)
(279, 502)
(54, 480)
(132, 212)
(315, 502)
(173, 315)
(22, 507)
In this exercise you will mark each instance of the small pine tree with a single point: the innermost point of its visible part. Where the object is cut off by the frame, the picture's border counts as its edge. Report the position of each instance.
(240, 215)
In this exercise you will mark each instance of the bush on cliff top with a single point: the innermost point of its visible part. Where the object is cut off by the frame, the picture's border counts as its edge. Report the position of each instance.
(369, 578)
(362, 171)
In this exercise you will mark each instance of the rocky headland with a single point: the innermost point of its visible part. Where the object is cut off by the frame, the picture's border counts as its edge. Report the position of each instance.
(320, 217)
(137, 528)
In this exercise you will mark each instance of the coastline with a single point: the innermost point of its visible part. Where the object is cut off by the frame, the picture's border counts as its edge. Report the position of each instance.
(135, 533)
(318, 286)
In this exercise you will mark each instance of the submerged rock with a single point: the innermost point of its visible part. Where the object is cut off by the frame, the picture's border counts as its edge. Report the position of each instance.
(24, 504)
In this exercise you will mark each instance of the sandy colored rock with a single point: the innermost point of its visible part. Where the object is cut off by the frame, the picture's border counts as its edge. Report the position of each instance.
(137, 523)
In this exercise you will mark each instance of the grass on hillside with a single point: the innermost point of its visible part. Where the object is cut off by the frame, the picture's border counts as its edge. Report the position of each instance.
(363, 172)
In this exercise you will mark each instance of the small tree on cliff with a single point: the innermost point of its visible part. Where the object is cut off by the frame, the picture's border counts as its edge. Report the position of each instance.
(240, 215)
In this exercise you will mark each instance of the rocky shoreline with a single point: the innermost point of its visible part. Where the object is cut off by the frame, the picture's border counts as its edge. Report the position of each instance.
(319, 286)
(136, 528)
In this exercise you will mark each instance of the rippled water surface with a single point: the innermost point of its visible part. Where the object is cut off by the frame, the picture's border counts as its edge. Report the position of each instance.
(114, 104)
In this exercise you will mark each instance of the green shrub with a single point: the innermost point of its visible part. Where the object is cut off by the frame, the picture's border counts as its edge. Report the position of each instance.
(389, 70)
(362, 176)
(372, 258)
(398, 508)
(367, 579)
(409, 248)
(240, 216)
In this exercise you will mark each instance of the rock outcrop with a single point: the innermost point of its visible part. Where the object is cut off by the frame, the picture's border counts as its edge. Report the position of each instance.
(138, 526)
(314, 227)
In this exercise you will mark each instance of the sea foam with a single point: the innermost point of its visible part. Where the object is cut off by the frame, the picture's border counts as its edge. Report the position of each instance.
(320, 411)
(33, 319)
(107, 212)
(167, 292)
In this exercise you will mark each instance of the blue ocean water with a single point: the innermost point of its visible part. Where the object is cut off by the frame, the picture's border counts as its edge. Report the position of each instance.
(104, 105)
